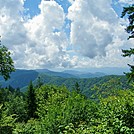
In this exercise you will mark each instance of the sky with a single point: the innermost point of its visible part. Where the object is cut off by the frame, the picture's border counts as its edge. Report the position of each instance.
(65, 34)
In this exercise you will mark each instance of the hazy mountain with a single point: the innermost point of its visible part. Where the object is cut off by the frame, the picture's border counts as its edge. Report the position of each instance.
(80, 74)
(53, 73)
(105, 70)
(71, 73)
(19, 78)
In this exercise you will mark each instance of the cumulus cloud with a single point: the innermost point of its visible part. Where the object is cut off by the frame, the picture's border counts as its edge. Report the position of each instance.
(96, 31)
(41, 42)
(46, 30)
(11, 25)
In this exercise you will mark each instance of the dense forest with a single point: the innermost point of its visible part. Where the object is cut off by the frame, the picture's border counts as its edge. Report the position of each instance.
(53, 109)
(102, 105)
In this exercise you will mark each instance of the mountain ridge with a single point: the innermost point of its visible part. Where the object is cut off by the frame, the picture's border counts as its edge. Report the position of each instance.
(21, 78)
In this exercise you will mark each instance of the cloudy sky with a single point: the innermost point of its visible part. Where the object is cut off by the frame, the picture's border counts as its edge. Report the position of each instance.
(65, 33)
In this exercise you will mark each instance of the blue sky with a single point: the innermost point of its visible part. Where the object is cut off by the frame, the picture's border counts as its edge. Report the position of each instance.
(34, 10)
(65, 33)
(32, 7)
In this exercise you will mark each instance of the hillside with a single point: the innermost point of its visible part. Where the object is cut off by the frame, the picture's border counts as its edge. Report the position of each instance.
(86, 84)
(55, 110)
(71, 73)
(19, 78)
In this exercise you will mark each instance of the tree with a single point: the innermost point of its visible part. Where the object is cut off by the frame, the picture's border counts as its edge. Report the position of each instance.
(15, 106)
(39, 82)
(77, 87)
(31, 101)
(6, 62)
(129, 11)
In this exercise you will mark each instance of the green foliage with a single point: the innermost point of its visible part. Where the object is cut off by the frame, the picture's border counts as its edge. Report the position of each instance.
(39, 82)
(6, 62)
(7, 123)
(130, 75)
(50, 102)
(128, 52)
(117, 112)
(106, 89)
(85, 85)
(129, 11)
(59, 111)
(17, 106)
(31, 127)
(77, 87)
(4, 95)
(57, 108)
(31, 101)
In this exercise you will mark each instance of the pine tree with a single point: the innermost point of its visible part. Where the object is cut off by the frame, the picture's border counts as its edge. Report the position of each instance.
(39, 82)
(31, 101)
(77, 87)
(129, 11)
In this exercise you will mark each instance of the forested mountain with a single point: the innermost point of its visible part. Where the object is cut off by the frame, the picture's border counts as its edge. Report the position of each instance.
(53, 73)
(57, 105)
(21, 78)
(71, 73)
(86, 84)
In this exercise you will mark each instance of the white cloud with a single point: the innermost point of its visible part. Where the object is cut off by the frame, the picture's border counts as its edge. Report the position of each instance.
(11, 25)
(38, 43)
(41, 42)
(46, 30)
(127, 1)
(96, 32)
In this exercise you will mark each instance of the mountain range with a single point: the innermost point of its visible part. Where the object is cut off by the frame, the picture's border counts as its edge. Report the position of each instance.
(71, 73)
(21, 78)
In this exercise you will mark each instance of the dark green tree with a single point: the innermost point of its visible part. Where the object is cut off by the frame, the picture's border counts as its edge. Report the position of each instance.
(31, 101)
(6, 62)
(11, 89)
(15, 106)
(39, 82)
(129, 11)
(77, 87)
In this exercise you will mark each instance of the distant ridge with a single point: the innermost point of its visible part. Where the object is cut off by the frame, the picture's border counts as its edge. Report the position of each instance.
(105, 70)
(80, 74)
(21, 78)
(71, 73)
(53, 73)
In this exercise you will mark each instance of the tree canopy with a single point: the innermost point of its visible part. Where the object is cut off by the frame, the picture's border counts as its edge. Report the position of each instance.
(6, 62)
